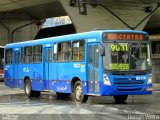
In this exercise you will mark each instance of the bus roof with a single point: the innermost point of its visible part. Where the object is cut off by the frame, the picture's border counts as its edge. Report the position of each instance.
(90, 34)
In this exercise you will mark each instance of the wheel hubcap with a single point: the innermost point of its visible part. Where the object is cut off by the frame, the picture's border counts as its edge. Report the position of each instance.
(78, 92)
(28, 88)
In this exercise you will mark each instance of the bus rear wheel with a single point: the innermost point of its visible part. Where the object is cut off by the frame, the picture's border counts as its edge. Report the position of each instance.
(120, 98)
(78, 93)
(28, 88)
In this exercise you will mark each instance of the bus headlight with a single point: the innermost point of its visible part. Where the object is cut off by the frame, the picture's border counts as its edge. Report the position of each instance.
(106, 80)
(150, 79)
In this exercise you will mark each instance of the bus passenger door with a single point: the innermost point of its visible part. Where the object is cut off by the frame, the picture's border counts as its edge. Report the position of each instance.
(47, 66)
(93, 67)
(15, 68)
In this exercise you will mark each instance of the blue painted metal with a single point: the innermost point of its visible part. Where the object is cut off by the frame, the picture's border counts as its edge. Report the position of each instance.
(57, 76)
(126, 85)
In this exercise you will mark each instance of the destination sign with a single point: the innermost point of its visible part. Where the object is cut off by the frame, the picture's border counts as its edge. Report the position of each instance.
(121, 66)
(125, 36)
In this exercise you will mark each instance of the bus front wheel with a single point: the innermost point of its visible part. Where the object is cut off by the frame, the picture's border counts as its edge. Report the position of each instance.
(120, 98)
(78, 93)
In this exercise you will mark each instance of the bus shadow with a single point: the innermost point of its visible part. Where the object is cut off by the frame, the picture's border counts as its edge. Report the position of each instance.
(131, 100)
(92, 100)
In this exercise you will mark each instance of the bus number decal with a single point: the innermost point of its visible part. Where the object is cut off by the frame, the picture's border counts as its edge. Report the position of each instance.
(82, 67)
(141, 78)
(92, 40)
(16, 49)
(76, 65)
(25, 69)
(121, 47)
(48, 45)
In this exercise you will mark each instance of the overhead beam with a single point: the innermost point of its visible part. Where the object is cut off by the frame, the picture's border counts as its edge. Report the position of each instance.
(155, 37)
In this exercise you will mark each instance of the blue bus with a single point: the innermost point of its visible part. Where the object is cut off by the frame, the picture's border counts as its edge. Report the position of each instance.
(99, 63)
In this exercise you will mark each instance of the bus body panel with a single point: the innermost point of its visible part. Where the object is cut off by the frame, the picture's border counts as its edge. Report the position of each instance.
(8, 75)
(127, 85)
(112, 90)
(57, 75)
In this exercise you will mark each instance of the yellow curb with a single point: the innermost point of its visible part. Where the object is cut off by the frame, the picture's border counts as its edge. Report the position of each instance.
(47, 90)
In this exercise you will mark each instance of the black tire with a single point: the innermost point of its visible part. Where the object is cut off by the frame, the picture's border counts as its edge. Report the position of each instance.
(78, 95)
(62, 95)
(28, 88)
(120, 98)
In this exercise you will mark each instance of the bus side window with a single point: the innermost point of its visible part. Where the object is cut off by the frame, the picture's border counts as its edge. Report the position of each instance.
(60, 52)
(37, 54)
(8, 56)
(64, 51)
(82, 50)
(67, 52)
(16, 58)
(78, 50)
(96, 51)
(90, 55)
(28, 54)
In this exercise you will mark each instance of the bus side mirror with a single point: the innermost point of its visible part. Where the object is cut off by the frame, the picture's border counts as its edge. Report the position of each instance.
(102, 51)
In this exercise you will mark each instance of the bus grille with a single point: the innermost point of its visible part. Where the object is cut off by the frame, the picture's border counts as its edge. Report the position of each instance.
(131, 89)
(126, 81)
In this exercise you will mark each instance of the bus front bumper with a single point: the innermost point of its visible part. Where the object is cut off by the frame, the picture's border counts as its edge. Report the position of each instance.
(127, 90)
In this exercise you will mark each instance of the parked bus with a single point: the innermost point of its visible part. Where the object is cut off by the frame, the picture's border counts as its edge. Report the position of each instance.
(99, 63)
(1, 62)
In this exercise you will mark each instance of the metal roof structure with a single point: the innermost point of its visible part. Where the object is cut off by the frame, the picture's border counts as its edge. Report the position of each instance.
(41, 9)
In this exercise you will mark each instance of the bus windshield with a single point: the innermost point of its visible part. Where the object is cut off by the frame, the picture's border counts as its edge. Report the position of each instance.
(120, 56)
